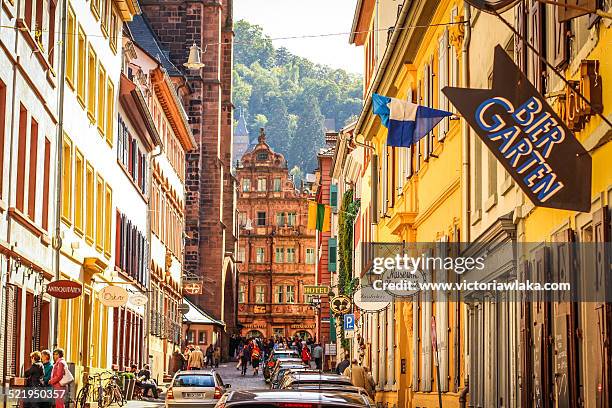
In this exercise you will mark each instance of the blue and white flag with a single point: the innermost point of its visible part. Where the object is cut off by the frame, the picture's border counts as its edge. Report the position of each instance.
(407, 122)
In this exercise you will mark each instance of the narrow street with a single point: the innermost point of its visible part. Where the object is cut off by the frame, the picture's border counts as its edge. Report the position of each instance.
(229, 374)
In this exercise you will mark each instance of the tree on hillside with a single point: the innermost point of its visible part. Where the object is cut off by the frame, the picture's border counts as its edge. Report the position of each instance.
(251, 45)
(309, 134)
(277, 129)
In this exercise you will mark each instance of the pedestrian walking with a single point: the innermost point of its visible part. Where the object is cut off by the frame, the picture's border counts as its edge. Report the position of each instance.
(177, 362)
(217, 356)
(342, 365)
(48, 367)
(306, 356)
(34, 378)
(209, 356)
(356, 373)
(61, 377)
(317, 355)
(245, 358)
(370, 384)
(255, 358)
(196, 359)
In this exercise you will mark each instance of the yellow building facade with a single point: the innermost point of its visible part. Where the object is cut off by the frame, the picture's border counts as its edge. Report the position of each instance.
(416, 198)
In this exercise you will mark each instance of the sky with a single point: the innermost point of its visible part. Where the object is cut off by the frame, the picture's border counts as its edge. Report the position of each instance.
(289, 18)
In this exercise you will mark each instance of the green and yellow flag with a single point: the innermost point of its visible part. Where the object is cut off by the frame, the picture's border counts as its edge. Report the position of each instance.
(319, 216)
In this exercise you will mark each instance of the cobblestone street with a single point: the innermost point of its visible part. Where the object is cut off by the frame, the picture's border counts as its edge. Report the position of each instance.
(229, 374)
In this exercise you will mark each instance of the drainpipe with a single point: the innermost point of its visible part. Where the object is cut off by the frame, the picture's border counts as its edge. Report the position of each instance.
(57, 240)
(465, 151)
(147, 319)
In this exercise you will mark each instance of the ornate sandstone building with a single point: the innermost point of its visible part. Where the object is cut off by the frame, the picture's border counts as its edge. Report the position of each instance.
(276, 250)
(210, 237)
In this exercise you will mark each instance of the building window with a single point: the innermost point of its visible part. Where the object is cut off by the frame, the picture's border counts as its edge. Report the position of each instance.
(104, 11)
(114, 19)
(201, 337)
(333, 196)
(33, 169)
(130, 249)
(291, 219)
(262, 156)
(99, 213)
(290, 255)
(246, 185)
(101, 95)
(46, 184)
(191, 336)
(21, 157)
(81, 66)
(260, 294)
(278, 294)
(67, 180)
(259, 255)
(110, 110)
(280, 219)
(79, 178)
(261, 218)
(310, 256)
(91, 89)
(89, 203)
(279, 255)
(241, 297)
(277, 184)
(261, 184)
(108, 207)
(241, 254)
(70, 41)
(290, 294)
(2, 130)
(95, 8)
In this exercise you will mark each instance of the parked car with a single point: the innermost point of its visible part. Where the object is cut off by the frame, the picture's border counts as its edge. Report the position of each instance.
(195, 388)
(281, 368)
(294, 398)
(298, 379)
(276, 355)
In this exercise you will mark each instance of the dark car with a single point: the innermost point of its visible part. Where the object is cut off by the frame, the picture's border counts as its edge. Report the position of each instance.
(298, 379)
(293, 399)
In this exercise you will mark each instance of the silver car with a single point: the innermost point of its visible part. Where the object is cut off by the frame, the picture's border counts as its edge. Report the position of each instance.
(195, 388)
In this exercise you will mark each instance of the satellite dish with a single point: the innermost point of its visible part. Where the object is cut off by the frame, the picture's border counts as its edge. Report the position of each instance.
(493, 6)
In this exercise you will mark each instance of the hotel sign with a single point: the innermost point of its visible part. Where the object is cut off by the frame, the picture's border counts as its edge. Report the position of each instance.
(316, 290)
(526, 135)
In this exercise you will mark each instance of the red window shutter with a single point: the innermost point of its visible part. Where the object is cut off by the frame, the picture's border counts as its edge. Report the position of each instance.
(46, 186)
(118, 242)
(536, 38)
(21, 157)
(33, 167)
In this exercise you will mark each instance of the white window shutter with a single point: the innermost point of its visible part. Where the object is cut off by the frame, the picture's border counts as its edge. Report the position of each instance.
(400, 157)
(426, 102)
(432, 64)
(384, 179)
(418, 144)
(442, 82)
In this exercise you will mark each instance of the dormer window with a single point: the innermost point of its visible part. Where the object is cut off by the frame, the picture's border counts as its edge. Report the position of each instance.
(261, 156)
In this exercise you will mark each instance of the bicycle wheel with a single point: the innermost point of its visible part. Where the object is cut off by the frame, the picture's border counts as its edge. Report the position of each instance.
(119, 399)
(82, 396)
(107, 397)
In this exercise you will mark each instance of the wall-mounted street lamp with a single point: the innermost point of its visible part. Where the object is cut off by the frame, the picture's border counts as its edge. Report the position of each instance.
(194, 61)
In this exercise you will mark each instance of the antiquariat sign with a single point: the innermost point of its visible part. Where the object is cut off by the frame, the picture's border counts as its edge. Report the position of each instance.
(113, 296)
(65, 289)
(316, 290)
(526, 135)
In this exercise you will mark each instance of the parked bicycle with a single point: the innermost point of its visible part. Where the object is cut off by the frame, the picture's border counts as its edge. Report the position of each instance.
(112, 393)
(90, 391)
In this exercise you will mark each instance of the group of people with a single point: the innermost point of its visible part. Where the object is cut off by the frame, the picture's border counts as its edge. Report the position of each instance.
(144, 380)
(360, 375)
(194, 359)
(51, 375)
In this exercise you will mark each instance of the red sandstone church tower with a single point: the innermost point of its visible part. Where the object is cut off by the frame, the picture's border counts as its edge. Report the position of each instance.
(277, 251)
(210, 238)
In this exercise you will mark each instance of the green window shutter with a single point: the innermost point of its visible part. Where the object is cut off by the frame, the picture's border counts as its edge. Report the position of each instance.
(333, 196)
(331, 254)
(332, 327)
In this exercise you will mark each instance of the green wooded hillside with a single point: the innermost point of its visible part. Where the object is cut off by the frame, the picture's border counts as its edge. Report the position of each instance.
(289, 95)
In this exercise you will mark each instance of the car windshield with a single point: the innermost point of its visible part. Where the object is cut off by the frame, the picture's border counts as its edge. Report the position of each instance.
(194, 380)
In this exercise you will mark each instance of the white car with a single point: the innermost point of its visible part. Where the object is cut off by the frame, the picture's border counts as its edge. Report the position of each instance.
(195, 388)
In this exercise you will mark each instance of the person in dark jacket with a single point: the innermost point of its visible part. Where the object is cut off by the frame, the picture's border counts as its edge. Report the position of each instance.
(245, 358)
(343, 365)
(34, 378)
